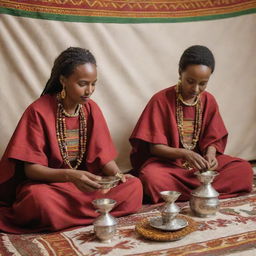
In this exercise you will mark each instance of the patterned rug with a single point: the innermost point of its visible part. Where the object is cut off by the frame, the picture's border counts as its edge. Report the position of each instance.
(231, 232)
(128, 11)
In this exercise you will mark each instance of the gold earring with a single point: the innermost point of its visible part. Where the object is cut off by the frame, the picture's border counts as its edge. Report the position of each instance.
(63, 93)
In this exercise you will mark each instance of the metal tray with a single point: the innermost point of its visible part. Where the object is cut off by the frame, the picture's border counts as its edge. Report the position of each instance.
(176, 224)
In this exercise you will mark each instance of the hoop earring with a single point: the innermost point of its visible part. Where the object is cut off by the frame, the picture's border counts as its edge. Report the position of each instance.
(63, 94)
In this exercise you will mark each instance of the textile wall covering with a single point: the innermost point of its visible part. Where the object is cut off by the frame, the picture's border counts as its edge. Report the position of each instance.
(137, 45)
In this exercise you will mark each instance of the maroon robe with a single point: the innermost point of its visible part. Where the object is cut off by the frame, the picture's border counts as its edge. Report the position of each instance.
(29, 206)
(157, 125)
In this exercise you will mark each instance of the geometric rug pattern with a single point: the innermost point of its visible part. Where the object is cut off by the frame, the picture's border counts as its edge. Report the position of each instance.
(231, 232)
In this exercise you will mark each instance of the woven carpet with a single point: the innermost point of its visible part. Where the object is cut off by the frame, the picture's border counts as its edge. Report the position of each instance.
(231, 232)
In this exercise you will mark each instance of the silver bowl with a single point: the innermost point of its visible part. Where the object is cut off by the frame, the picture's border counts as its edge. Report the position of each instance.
(104, 204)
(108, 182)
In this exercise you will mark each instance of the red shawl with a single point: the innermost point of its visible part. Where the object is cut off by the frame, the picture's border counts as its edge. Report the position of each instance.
(35, 141)
(157, 124)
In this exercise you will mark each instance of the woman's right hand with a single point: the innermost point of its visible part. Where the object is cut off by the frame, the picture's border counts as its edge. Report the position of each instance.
(195, 160)
(83, 180)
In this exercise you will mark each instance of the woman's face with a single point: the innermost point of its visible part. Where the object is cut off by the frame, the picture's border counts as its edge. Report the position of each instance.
(80, 85)
(194, 80)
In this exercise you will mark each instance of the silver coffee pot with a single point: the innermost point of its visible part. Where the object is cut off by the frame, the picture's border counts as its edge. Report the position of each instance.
(105, 224)
(204, 200)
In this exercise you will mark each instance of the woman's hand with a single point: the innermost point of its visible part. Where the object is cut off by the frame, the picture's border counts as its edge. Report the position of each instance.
(210, 156)
(111, 169)
(123, 177)
(212, 160)
(128, 176)
(83, 180)
(195, 160)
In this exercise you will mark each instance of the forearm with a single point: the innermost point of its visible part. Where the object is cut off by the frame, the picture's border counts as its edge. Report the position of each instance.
(111, 168)
(165, 151)
(211, 150)
(43, 173)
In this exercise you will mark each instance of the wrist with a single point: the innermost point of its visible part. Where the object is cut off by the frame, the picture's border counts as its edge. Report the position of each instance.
(183, 153)
(211, 150)
(68, 175)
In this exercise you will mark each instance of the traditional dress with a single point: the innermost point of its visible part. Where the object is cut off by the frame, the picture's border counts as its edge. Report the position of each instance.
(31, 206)
(158, 125)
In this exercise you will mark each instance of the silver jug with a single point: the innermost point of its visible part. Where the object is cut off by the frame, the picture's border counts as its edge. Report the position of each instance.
(105, 224)
(204, 200)
(170, 209)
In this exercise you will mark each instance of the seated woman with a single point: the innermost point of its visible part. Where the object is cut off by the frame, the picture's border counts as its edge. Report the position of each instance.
(181, 131)
(50, 171)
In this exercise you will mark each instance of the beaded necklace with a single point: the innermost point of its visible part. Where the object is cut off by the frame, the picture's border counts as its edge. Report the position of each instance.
(188, 104)
(61, 133)
(197, 123)
(72, 115)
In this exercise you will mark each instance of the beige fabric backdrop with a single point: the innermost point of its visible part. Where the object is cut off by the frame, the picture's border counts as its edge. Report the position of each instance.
(134, 62)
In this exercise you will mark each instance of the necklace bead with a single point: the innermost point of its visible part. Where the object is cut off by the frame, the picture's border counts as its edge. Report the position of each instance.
(197, 123)
(179, 96)
(61, 132)
(72, 115)
(186, 103)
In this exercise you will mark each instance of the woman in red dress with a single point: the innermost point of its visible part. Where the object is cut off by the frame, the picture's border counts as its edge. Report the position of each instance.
(181, 131)
(61, 148)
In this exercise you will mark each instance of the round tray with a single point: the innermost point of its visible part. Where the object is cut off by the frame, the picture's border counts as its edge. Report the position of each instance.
(145, 230)
(177, 224)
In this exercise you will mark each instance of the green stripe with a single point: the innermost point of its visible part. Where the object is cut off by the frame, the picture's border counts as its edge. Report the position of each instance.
(94, 19)
(72, 142)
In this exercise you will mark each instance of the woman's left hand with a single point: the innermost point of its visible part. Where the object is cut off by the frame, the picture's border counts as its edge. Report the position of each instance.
(212, 160)
(210, 156)
(125, 176)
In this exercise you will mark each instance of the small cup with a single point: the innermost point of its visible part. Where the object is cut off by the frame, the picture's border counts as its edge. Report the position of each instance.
(170, 210)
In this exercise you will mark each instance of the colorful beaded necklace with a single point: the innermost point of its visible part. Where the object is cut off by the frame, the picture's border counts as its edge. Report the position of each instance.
(61, 133)
(197, 123)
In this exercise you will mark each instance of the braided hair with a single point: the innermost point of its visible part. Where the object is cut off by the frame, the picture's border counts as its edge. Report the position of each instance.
(64, 65)
(196, 55)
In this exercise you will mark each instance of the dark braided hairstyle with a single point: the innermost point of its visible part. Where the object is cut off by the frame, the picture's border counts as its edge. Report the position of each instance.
(64, 65)
(196, 55)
